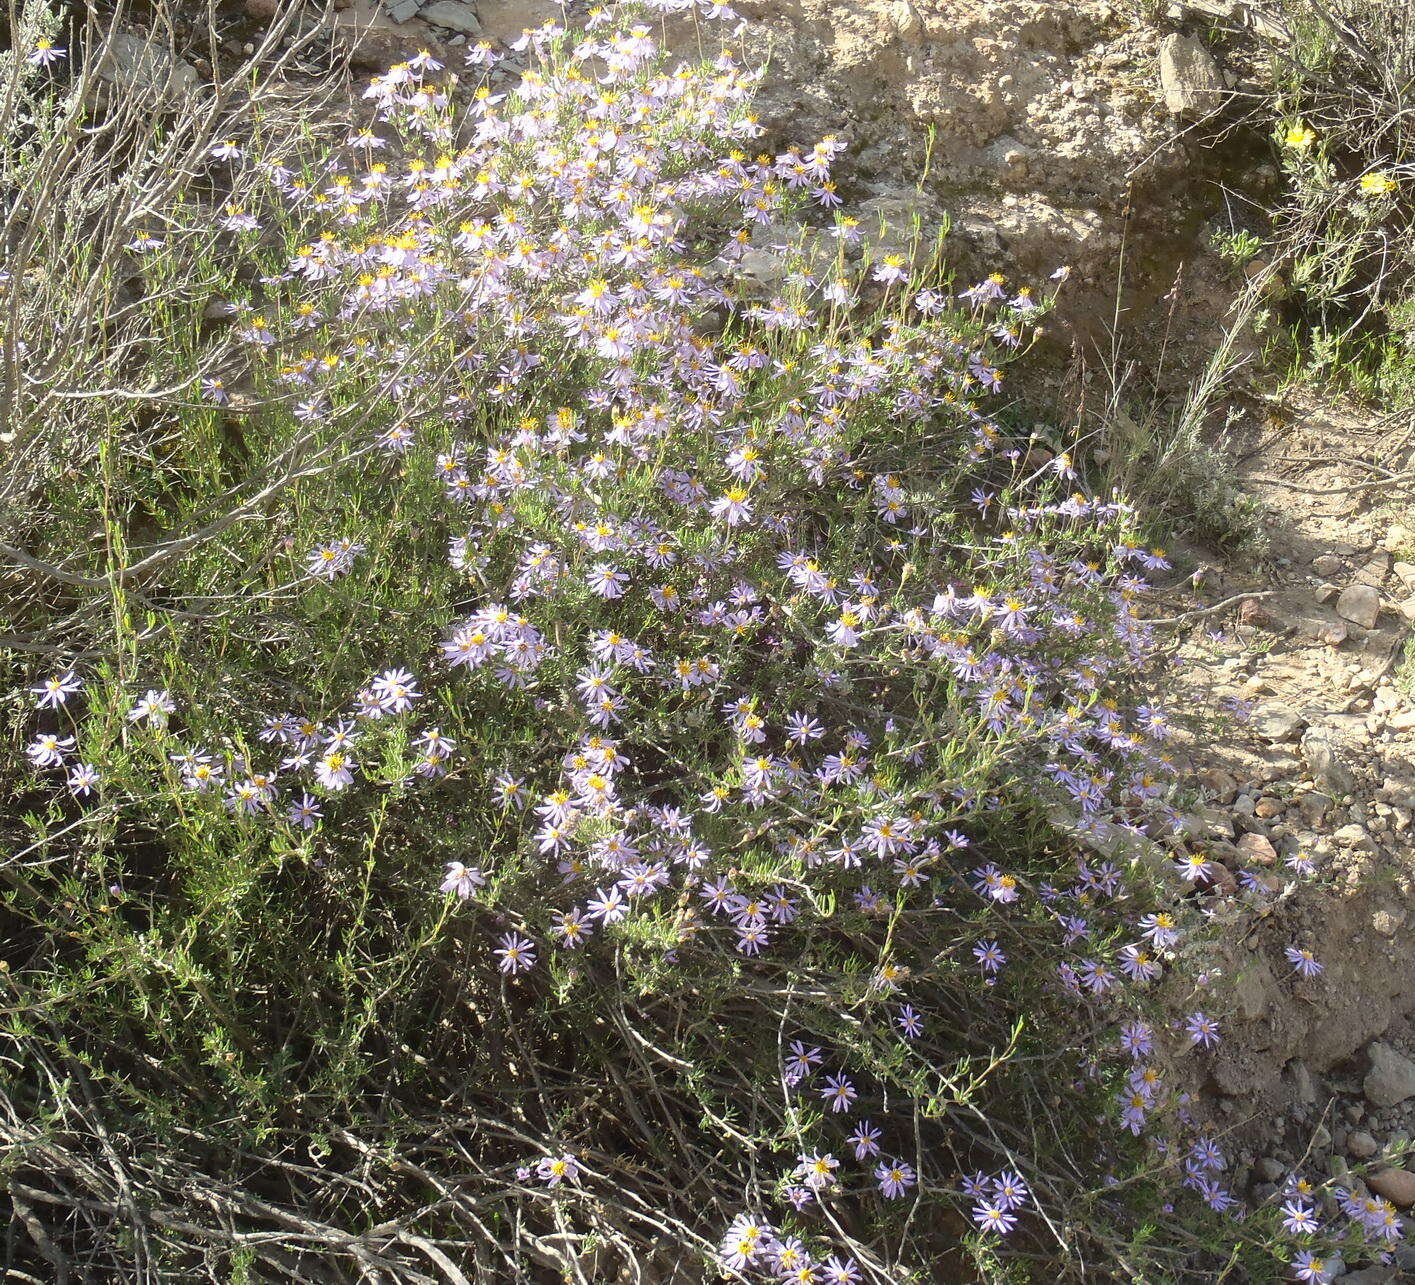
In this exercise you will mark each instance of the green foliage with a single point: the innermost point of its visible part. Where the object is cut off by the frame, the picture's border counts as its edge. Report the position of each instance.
(1340, 251)
(1237, 248)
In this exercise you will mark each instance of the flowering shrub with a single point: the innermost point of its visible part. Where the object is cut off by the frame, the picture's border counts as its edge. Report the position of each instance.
(637, 702)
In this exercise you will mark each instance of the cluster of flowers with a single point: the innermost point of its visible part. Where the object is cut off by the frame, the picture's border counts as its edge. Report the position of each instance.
(724, 482)
(1372, 1225)
(1369, 1218)
(752, 1244)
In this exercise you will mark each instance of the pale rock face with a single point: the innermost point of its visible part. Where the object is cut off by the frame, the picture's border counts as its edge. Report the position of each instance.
(1191, 79)
(1360, 604)
(1038, 127)
(453, 15)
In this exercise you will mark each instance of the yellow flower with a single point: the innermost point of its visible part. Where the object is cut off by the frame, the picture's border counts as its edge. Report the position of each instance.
(1377, 183)
(1299, 138)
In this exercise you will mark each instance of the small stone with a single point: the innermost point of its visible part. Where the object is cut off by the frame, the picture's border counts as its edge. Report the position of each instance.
(1303, 1082)
(1397, 792)
(262, 10)
(1354, 837)
(1272, 1170)
(1387, 922)
(1267, 808)
(453, 15)
(1189, 76)
(1396, 1185)
(1326, 565)
(1405, 573)
(1361, 1145)
(1257, 849)
(1360, 604)
(1375, 569)
(1330, 633)
(1253, 613)
(1391, 1078)
(1313, 807)
(1276, 725)
(403, 10)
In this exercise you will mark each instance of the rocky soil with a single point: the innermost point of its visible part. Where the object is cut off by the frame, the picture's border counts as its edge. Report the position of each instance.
(1305, 743)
